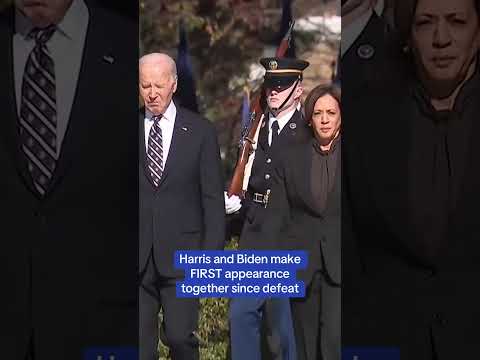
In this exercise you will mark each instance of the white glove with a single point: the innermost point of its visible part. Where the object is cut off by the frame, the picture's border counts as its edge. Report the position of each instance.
(232, 203)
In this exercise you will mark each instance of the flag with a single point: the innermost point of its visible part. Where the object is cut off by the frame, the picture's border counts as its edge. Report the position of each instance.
(185, 95)
(246, 119)
(284, 26)
(245, 108)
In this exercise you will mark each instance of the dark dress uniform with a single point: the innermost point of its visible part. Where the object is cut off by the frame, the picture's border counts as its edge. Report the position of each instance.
(246, 314)
(266, 158)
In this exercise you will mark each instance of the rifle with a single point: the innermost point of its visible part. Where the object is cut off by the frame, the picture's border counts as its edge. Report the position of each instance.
(256, 110)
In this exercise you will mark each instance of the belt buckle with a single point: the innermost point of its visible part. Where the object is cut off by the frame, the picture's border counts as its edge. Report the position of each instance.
(258, 198)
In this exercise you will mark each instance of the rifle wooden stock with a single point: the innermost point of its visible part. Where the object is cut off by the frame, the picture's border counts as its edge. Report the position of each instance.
(258, 106)
(236, 186)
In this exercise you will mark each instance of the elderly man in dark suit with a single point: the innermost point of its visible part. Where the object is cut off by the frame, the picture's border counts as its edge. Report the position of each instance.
(181, 206)
(69, 179)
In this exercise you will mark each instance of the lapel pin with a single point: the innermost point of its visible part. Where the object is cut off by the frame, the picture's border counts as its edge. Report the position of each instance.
(365, 51)
(109, 59)
(293, 126)
(263, 124)
(184, 128)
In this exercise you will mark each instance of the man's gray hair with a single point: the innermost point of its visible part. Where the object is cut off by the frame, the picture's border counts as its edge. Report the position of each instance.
(159, 59)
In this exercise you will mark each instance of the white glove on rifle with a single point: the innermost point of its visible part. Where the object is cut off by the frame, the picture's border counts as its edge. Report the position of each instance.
(232, 203)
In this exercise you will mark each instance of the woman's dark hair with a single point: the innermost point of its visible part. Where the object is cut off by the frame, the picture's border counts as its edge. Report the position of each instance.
(404, 14)
(330, 88)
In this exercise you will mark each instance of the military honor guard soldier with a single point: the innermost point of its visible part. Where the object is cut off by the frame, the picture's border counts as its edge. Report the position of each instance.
(283, 126)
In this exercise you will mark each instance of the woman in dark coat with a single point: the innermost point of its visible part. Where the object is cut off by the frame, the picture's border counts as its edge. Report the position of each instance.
(303, 213)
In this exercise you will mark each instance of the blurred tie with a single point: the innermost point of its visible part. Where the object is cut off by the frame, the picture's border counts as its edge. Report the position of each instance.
(275, 129)
(38, 111)
(155, 151)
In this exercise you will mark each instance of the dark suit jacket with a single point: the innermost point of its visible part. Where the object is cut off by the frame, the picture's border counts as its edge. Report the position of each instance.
(187, 210)
(67, 260)
(266, 159)
(397, 296)
(293, 220)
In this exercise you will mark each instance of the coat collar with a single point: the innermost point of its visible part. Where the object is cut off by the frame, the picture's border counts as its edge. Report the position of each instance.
(289, 130)
(182, 130)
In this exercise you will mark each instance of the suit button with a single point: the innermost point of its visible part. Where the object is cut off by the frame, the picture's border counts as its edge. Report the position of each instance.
(41, 217)
(269, 161)
(432, 273)
(267, 176)
(439, 319)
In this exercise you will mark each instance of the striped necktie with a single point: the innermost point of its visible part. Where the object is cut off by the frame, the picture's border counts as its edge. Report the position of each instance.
(155, 151)
(38, 111)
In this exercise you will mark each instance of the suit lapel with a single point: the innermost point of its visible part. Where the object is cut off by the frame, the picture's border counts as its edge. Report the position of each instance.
(180, 142)
(289, 131)
(263, 136)
(81, 121)
(142, 151)
(10, 132)
(360, 64)
(78, 121)
(303, 178)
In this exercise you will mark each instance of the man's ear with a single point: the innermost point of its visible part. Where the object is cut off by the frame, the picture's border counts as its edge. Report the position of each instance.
(298, 91)
(175, 84)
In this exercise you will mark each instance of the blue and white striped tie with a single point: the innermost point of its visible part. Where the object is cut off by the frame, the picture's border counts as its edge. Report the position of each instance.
(38, 112)
(155, 151)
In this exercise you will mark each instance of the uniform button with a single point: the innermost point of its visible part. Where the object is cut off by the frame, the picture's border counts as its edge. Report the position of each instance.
(267, 176)
(269, 161)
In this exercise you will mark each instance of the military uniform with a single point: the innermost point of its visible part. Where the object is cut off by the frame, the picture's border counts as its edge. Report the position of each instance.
(246, 314)
(266, 158)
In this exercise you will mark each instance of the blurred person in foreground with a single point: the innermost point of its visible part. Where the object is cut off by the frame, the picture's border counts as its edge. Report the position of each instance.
(68, 155)
(369, 49)
(413, 192)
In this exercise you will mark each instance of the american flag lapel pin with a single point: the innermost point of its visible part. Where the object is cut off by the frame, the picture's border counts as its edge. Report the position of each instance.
(108, 59)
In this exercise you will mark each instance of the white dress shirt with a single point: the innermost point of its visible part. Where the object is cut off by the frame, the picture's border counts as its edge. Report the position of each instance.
(166, 124)
(65, 48)
(282, 121)
(351, 32)
(379, 7)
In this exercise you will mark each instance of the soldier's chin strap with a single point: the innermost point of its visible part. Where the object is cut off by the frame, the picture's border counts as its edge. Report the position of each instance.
(275, 111)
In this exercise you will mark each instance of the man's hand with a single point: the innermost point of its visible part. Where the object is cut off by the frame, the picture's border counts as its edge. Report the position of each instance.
(232, 203)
